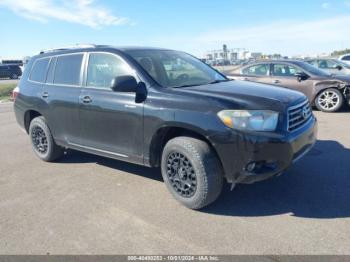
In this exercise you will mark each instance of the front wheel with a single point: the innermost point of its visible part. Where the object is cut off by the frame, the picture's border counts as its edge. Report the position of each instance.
(329, 100)
(191, 172)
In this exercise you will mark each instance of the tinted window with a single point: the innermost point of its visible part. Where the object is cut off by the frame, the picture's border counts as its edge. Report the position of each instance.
(67, 70)
(103, 68)
(284, 70)
(346, 58)
(39, 70)
(260, 70)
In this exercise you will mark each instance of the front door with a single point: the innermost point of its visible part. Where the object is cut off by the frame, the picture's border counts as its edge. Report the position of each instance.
(283, 75)
(111, 122)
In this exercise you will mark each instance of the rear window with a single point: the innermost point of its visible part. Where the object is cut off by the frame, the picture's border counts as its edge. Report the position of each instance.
(67, 69)
(39, 69)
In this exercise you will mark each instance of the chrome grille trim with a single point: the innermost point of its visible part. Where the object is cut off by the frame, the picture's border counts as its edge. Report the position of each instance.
(298, 116)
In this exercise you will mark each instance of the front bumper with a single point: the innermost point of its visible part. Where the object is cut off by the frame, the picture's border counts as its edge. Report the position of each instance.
(269, 154)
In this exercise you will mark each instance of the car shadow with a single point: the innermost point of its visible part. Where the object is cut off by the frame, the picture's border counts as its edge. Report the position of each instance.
(318, 186)
(73, 156)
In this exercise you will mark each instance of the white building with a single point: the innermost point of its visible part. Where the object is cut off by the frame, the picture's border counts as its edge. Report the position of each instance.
(230, 54)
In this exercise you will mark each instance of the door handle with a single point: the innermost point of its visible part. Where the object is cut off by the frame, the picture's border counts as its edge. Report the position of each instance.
(86, 99)
(45, 95)
(276, 81)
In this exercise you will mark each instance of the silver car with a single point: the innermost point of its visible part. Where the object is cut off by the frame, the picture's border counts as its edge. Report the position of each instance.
(332, 66)
(345, 59)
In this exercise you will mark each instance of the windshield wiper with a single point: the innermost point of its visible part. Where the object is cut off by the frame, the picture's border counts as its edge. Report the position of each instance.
(187, 85)
(219, 81)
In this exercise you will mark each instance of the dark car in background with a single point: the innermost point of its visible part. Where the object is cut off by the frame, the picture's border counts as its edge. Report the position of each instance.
(163, 108)
(326, 91)
(10, 71)
(330, 65)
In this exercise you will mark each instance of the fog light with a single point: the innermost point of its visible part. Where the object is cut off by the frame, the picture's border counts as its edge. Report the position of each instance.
(250, 167)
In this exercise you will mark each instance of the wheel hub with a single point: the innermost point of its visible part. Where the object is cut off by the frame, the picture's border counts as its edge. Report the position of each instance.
(181, 174)
(39, 140)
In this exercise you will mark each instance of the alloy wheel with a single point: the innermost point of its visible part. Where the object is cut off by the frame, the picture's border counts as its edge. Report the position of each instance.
(328, 100)
(181, 174)
(39, 140)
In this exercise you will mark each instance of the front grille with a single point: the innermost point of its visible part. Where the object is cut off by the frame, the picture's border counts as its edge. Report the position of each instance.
(298, 116)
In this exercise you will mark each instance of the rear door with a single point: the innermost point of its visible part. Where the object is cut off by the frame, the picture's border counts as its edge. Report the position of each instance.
(61, 91)
(111, 122)
(256, 73)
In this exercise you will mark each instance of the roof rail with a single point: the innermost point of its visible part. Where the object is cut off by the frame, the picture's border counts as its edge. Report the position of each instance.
(77, 46)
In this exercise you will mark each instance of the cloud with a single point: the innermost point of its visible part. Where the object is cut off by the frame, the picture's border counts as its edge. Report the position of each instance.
(84, 12)
(326, 5)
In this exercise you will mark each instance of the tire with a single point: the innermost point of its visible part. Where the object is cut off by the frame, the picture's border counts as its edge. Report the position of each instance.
(42, 141)
(200, 167)
(14, 76)
(329, 100)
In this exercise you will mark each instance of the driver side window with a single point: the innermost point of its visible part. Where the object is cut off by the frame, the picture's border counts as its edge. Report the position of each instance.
(102, 68)
(179, 71)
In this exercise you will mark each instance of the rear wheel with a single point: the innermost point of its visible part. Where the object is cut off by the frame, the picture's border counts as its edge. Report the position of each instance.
(14, 76)
(329, 100)
(43, 143)
(191, 172)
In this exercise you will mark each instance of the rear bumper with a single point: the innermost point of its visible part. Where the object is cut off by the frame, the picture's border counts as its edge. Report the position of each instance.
(248, 158)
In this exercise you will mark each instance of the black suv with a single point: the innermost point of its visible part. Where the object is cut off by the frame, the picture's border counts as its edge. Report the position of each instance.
(163, 108)
(10, 71)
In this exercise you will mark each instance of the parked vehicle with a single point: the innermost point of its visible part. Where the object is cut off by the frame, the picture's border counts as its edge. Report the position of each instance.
(326, 91)
(345, 58)
(330, 65)
(10, 71)
(195, 124)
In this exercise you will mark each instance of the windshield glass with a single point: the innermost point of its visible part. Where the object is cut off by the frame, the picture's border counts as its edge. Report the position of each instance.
(175, 69)
(313, 70)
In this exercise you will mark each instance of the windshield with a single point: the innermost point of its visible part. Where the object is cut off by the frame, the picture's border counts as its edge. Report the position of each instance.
(313, 70)
(175, 69)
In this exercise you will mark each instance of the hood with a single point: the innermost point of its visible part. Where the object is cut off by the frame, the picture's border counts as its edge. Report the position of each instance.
(243, 92)
(344, 78)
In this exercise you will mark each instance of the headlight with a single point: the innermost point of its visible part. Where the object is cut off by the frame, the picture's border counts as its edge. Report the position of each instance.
(253, 120)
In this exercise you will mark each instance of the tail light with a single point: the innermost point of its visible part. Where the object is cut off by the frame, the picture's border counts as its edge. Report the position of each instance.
(15, 93)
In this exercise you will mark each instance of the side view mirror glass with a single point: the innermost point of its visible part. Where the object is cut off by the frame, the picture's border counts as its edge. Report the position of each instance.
(125, 83)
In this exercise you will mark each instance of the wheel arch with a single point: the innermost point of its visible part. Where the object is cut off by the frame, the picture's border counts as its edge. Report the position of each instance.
(165, 133)
(29, 115)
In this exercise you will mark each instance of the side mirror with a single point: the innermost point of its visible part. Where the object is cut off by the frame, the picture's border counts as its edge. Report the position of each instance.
(301, 76)
(125, 83)
(339, 67)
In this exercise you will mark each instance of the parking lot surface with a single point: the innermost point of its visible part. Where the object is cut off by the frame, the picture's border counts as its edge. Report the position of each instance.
(94, 205)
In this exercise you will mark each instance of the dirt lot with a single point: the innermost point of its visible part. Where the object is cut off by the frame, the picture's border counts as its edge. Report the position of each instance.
(94, 205)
